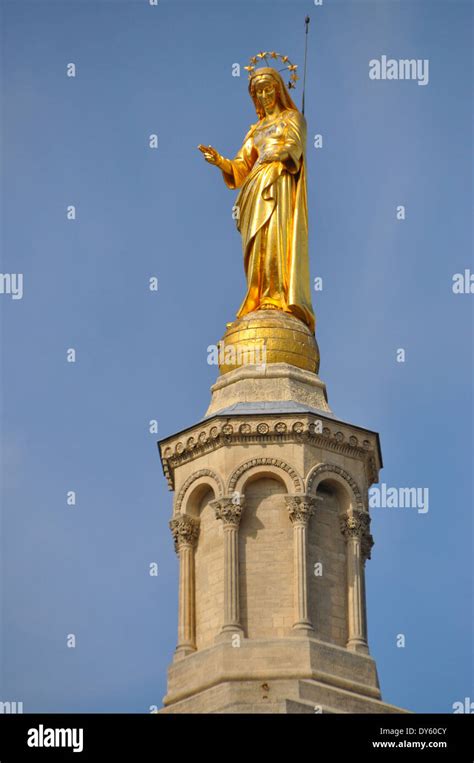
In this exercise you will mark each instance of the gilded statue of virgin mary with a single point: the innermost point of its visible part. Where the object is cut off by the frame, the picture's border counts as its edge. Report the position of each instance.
(272, 214)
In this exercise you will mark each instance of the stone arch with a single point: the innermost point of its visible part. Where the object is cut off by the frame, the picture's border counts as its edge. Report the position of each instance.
(206, 478)
(338, 474)
(270, 467)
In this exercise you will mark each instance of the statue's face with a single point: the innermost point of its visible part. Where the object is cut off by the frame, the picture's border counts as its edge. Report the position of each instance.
(266, 93)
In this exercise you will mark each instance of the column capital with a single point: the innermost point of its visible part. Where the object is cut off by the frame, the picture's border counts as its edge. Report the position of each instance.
(366, 546)
(229, 509)
(356, 524)
(301, 507)
(185, 531)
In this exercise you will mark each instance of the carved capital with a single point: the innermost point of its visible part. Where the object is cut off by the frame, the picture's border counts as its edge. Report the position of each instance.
(300, 507)
(229, 509)
(366, 546)
(356, 524)
(185, 531)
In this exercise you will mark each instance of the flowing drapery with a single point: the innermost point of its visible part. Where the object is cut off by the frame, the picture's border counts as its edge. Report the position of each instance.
(273, 217)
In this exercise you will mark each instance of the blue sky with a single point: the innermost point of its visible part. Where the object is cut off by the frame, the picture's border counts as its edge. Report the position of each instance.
(387, 284)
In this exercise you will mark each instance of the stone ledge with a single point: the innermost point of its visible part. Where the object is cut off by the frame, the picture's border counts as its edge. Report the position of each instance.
(280, 382)
(272, 659)
(291, 696)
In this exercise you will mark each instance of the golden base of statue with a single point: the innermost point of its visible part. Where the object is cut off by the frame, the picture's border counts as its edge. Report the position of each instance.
(268, 336)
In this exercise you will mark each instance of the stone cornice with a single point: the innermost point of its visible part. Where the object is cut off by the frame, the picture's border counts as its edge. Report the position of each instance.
(220, 431)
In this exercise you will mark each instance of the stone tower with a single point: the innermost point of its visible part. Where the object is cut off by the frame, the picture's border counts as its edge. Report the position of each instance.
(271, 526)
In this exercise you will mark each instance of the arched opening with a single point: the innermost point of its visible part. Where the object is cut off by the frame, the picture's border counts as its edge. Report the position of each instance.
(327, 564)
(194, 501)
(209, 567)
(266, 559)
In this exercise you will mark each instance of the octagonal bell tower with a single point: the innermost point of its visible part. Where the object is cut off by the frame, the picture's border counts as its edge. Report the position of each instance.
(272, 531)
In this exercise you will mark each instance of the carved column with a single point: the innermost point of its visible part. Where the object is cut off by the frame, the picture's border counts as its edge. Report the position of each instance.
(185, 530)
(355, 525)
(229, 510)
(300, 508)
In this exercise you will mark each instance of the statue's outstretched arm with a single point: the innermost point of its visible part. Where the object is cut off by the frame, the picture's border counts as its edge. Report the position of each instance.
(234, 170)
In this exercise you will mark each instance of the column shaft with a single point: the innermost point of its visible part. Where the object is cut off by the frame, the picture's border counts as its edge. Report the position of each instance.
(185, 530)
(229, 510)
(186, 617)
(355, 528)
(301, 577)
(300, 507)
(231, 578)
(355, 595)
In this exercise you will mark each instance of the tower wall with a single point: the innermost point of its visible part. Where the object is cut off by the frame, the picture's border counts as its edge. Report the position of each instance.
(265, 561)
(271, 524)
(326, 547)
(209, 562)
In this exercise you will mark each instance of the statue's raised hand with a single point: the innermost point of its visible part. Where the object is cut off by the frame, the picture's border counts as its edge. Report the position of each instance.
(210, 154)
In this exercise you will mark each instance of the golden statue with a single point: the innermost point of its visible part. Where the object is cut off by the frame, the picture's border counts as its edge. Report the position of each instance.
(272, 214)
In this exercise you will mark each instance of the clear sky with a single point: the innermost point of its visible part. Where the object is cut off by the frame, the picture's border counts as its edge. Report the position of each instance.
(141, 355)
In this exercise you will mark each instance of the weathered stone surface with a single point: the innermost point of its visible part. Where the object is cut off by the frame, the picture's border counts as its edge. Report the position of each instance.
(274, 382)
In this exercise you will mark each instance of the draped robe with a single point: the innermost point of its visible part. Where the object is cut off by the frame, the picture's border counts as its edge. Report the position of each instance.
(273, 216)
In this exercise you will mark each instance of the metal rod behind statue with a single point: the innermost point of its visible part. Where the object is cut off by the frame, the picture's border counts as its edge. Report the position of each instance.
(306, 21)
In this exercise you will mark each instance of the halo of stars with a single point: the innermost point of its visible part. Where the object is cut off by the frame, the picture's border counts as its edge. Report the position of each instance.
(273, 55)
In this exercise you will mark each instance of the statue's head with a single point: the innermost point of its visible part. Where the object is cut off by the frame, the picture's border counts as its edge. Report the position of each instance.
(267, 89)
